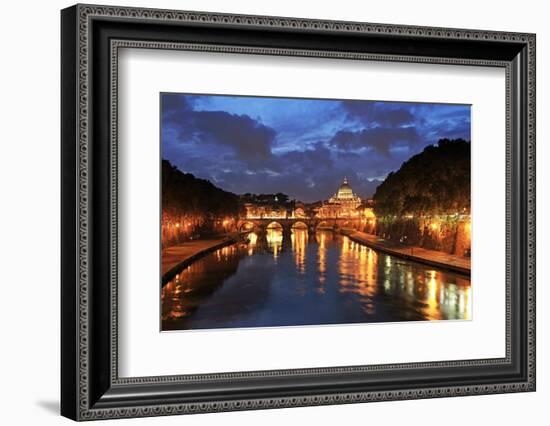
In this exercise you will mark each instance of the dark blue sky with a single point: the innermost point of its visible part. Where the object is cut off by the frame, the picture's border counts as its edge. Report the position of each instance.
(302, 147)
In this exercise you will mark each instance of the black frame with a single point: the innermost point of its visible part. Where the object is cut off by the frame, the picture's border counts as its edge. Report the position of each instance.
(91, 37)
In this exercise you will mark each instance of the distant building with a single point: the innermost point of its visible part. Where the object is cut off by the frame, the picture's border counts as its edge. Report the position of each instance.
(267, 206)
(254, 211)
(299, 211)
(343, 204)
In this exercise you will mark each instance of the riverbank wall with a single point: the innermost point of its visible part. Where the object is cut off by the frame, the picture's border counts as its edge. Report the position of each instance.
(448, 234)
(435, 258)
(176, 258)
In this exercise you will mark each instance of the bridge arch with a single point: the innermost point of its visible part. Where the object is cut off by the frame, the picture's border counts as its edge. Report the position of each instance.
(274, 225)
(347, 224)
(325, 224)
(299, 225)
(247, 226)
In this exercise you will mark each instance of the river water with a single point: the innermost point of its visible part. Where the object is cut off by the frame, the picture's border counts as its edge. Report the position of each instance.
(309, 279)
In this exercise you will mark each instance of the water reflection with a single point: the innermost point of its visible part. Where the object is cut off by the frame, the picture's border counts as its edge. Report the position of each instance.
(274, 238)
(299, 239)
(279, 279)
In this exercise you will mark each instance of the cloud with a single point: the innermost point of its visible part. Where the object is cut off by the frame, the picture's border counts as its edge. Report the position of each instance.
(380, 113)
(310, 175)
(311, 160)
(250, 140)
(380, 139)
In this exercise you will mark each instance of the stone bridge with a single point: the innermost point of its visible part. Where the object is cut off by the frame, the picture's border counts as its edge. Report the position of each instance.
(260, 225)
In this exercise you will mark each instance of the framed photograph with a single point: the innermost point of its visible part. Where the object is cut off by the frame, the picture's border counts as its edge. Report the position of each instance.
(263, 212)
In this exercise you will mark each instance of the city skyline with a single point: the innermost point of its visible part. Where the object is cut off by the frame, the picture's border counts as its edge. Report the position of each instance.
(301, 147)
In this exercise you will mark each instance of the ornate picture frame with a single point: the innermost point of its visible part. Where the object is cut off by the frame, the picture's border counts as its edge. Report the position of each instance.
(91, 37)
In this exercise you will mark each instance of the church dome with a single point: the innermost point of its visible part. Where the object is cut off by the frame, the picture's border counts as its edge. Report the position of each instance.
(343, 204)
(345, 190)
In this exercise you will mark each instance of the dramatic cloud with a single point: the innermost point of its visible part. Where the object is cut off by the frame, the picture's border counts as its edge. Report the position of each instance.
(381, 113)
(310, 160)
(381, 139)
(250, 140)
(302, 147)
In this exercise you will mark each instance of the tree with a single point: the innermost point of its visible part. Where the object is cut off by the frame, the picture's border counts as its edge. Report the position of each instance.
(436, 181)
(183, 193)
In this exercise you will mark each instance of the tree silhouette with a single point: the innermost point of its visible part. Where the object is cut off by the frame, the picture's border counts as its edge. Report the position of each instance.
(183, 193)
(434, 182)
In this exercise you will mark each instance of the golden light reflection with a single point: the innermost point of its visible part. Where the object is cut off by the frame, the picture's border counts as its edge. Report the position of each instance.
(252, 241)
(445, 300)
(299, 239)
(371, 267)
(357, 266)
(432, 310)
(322, 237)
(171, 296)
(274, 238)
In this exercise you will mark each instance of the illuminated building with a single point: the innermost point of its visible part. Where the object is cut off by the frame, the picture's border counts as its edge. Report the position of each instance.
(343, 204)
(254, 211)
(299, 210)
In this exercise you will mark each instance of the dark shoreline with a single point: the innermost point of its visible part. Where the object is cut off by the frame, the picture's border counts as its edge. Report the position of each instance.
(173, 271)
(360, 239)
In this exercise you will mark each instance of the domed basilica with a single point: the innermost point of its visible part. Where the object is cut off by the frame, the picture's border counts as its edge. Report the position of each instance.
(342, 204)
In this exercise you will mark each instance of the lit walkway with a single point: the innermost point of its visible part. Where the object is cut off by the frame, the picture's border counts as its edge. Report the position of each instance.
(430, 257)
(174, 259)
